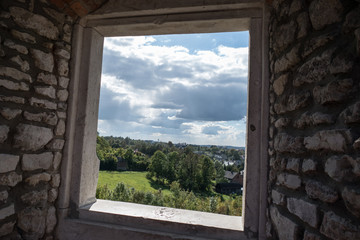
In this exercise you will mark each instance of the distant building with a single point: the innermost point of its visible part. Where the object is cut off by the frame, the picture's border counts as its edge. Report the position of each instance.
(235, 185)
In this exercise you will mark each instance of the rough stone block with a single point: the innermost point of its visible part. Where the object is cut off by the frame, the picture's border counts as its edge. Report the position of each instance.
(35, 198)
(50, 219)
(64, 82)
(15, 74)
(8, 162)
(278, 198)
(52, 195)
(13, 99)
(37, 23)
(284, 35)
(288, 60)
(55, 180)
(282, 122)
(318, 190)
(4, 130)
(35, 179)
(332, 140)
(293, 102)
(351, 114)
(325, 12)
(279, 84)
(60, 128)
(62, 53)
(351, 198)
(63, 67)
(286, 143)
(56, 144)
(21, 49)
(293, 164)
(352, 20)
(14, 86)
(286, 229)
(49, 79)
(308, 166)
(25, 37)
(10, 179)
(9, 114)
(62, 95)
(317, 118)
(3, 196)
(356, 144)
(306, 211)
(36, 102)
(23, 64)
(343, 168)
(289, 180)
(317, 41)
(335, 91)
(311, 236)
(46, 91)
(49, 118)
(336, 227)
(304, 25)
(58, 16)
(43, 60)
(7, 211)
(32, 162)
(6, 228)
(28, 137)
(32, 220)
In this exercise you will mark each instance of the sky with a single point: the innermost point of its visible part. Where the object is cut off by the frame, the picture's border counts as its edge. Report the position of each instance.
(182, 88)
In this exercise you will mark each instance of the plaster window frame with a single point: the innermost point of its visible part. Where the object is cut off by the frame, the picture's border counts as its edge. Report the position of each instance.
(78, 209)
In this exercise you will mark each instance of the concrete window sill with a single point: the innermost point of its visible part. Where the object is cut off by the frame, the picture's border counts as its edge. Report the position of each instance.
(163, 219)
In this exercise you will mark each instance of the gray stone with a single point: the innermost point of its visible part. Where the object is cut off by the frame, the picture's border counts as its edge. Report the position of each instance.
(351, 114)
(9, 114)
(61, 114)
(318, 190)
(60, 128)
(46, 91)
(67, 33)
(56, 144)
(10, 44)
(10, 179)
(317, 42)
(311, 236)
(28, 137)
(313, 70)
(293, 164)
(308, 119)
(50, 219)
(343, 168)
(63, 67)
(37, 23)
(286, 143)
(286, 229)
(57, 160)
(303, 22)
(3, 196)
(58, 16)
(52, 195)
(4, 130)
(335, 91)
(284, 35)
(356, 144)
(25, 37)
(55, 180)
(306, 211)
(325, 12)
(15, 74)
(278, 197)
(62, 106)
(43, 60)
(32, 220)
(47, 78)
(336, 227)
(282, 122)
(7, 211)
(352, 20)
(279, 84)
(6, 228)
(8, 162)
(62, 95)
(64, 82)
(291, 181)
(295, 6)
(24, 65)
(15, 86)
(288, 60)
(32, 162)
(351, 198)
(332, 140)
(49, 118)
(62, 53)
(293, 102)
(41, 103)
(4, 14)
(35, 198)
(308, 166)
(13, 99)
(35, 179)
(342, 63)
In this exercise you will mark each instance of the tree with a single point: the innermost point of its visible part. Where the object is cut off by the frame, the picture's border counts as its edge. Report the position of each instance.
(158, 165)
(207, 173)
(220, 172)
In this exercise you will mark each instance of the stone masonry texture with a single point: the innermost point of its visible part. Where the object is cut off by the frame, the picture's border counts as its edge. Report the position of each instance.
(314, 175)
(32, 127)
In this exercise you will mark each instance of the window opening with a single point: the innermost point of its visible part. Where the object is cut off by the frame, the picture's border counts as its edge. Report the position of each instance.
(172, 120)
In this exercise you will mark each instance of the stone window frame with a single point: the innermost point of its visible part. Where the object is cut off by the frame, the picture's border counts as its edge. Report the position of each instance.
(78, 209)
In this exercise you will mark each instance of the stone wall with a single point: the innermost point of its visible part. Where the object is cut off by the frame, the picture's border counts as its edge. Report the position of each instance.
(314, 175)
(34, 77)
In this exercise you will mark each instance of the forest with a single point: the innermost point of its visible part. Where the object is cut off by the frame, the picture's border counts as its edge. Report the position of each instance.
(190, 172)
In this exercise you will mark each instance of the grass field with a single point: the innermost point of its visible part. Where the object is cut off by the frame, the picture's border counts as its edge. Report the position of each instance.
(136, 180)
